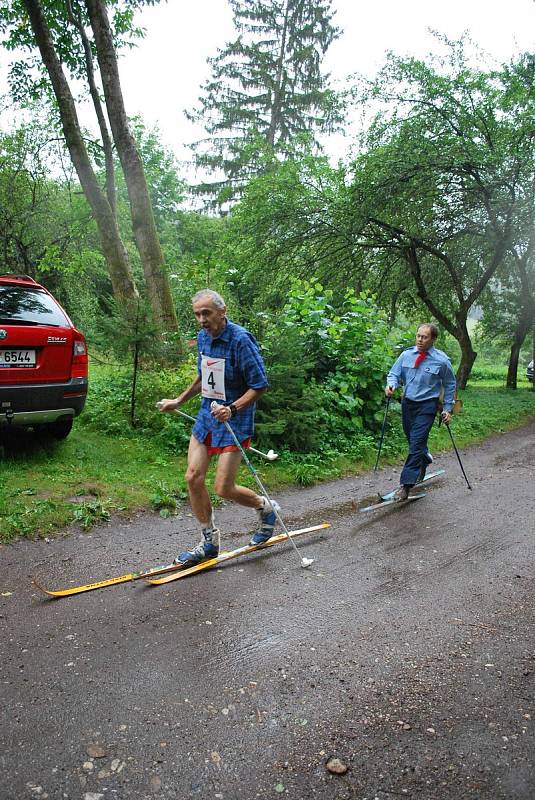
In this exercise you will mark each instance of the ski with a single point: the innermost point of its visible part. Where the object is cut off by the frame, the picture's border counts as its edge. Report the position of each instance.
(89, 587)
(431, 475)
(391, 501)
(230, 554)
(169, 569)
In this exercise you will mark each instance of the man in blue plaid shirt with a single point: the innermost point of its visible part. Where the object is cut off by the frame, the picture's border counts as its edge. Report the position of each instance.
(230, 370)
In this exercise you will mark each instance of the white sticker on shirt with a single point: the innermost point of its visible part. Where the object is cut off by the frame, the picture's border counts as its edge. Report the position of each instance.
(213, 378)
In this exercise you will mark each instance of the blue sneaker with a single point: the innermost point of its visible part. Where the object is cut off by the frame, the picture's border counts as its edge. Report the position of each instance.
(267, 523)
(207, 548)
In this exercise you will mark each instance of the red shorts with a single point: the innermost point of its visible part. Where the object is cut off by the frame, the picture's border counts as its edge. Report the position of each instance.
(230, 448)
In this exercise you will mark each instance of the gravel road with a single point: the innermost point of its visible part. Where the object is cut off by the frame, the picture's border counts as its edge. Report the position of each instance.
(404, 657)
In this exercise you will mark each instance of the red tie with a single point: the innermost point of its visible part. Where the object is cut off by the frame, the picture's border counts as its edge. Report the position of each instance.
(419, 358)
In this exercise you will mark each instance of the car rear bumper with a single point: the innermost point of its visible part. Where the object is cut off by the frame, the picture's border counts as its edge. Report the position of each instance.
(37, 404)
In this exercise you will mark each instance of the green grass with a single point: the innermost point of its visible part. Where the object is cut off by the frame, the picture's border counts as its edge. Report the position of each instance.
(488, 409)
(45, 486)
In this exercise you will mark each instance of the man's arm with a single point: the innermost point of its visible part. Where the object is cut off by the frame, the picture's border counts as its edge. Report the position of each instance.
(251, 365)
(450, 384)
(193, 389)
(393, 379)
(224, 413)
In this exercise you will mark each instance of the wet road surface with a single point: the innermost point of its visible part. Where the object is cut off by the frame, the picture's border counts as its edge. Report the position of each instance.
(407, 651)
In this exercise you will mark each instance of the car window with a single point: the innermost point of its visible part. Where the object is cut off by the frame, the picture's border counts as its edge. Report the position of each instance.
(24, 304)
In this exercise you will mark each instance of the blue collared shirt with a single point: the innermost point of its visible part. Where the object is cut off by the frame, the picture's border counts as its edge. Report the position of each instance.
(427, 380)
(244, 369)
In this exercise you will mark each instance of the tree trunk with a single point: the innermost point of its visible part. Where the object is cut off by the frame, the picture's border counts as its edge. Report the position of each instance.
(458, 329)
(468, 356)
(524, 324)
(114, 251)
(526, 320)
(512, 369)
(111, 193)
(142, 215)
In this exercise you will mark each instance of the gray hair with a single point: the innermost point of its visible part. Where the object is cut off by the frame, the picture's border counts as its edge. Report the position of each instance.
(433, 330)
(215, 297)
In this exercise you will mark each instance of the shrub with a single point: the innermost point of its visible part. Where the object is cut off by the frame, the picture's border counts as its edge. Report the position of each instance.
(326, 369)
(108, 404)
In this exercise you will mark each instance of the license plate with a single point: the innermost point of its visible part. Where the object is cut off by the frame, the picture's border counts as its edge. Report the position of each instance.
(17, 358)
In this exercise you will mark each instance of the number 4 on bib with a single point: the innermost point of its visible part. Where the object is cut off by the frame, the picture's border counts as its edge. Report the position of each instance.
(213, 378)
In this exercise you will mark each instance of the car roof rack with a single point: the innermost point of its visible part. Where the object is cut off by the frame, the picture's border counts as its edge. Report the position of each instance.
(18, 277)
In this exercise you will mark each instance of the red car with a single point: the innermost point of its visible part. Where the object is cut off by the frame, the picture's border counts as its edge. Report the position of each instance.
(43, 359)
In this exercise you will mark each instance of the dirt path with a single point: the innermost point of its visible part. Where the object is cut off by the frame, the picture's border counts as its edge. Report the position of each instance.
(407, 651)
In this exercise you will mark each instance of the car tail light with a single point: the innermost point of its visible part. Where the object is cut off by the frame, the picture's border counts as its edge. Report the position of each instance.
(79, 359)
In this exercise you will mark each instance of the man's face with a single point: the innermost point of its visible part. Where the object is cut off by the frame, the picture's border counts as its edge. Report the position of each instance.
(209, 316)
(424, 340)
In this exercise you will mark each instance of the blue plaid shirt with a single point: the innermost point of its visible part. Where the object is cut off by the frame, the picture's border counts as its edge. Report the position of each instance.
(244, 369)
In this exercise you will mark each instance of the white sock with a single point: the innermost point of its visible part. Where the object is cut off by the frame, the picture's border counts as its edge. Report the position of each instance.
(211, 536)
(210, 525)
(266, 506)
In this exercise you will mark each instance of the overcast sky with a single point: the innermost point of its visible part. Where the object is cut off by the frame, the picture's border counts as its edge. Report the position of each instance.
(163, 75)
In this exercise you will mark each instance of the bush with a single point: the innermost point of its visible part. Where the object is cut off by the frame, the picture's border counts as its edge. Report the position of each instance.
(287, 414)
(326, 370)
(108, 404)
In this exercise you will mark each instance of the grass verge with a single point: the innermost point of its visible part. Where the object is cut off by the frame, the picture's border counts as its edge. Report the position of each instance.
(46, 486)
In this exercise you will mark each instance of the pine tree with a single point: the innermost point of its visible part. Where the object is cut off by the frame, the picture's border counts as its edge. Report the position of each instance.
(266, 89)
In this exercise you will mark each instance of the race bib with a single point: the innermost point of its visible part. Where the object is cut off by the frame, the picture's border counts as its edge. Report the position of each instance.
(213, 378)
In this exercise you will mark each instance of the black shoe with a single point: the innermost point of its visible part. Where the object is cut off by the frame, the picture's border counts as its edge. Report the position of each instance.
(423, 469)
(401, 494)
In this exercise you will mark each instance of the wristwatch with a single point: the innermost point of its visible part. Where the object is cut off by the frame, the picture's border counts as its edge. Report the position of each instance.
(233, 409)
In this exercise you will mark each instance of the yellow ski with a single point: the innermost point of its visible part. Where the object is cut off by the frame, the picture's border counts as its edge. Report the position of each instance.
(227, 556)
(169, 570)
(89, 587)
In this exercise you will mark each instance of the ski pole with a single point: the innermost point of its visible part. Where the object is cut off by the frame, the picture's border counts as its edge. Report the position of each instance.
(447, 424)
(305, 562)
(382, 434)
(269, 456)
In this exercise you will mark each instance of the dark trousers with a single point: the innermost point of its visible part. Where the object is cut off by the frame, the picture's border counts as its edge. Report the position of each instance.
(417, 420)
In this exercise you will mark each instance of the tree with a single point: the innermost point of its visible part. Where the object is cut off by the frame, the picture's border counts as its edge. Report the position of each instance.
(439, 200)
(42, 222)
(509, 305)
(145, 232)
(46, 226)
(110, 240)
(60, 32)
(293, 221)
(446, 179)
(265, 91)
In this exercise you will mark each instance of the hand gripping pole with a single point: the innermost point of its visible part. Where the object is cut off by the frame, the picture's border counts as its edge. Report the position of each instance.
(269, 456)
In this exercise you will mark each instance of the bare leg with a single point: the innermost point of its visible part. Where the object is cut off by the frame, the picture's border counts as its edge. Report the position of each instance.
(198, 463)
(225, 482)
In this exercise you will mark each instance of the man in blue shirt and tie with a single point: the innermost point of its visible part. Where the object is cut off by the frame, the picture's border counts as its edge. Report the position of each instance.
(230, 371)
(425, 373)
